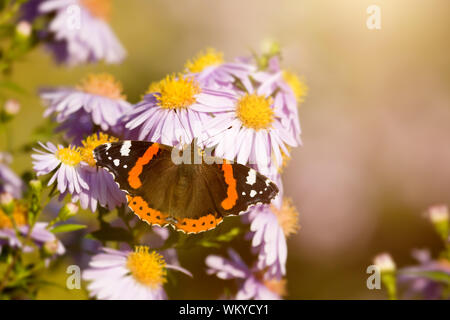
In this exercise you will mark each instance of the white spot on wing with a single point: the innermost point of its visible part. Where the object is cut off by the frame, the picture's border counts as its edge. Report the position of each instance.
(108, 145)
(125, 149)
(251, 178)
(243, 193)
(253, 193)
(268, 182)
(116, 162)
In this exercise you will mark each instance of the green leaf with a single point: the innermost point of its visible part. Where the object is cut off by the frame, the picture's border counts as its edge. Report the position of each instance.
(67, 228)
(9, 85)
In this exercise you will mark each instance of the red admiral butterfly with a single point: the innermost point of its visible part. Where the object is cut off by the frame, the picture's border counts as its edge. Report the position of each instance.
(191, 197)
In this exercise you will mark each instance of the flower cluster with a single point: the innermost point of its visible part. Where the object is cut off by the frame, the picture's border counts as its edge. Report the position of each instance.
(77, 31)
(75, 173)
(245, 112)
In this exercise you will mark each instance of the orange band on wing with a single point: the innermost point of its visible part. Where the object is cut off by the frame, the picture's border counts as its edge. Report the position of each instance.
(232, 196)
(144, 212)
(201, 224)
(133, 175)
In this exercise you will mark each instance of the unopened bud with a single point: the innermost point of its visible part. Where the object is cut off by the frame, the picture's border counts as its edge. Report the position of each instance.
(438, 213)
(270, 47)
(7, 202)
(51, 247)
(67, 211)
(24, 29)
(384, 262)
(387, 267)
(439, 216)
(6, 198)
(36, 185)
(11, 107)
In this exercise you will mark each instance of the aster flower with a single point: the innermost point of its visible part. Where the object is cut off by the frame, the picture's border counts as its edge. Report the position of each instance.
(102, 188)
(78, 31)
(418, 285)
(97, 101)
(210, 69)
(250, 132)
(288, 91)
(76, 173)
(128, 275)
(270, 226)
(251, 285)
(40, 235)
(66, 164)
(175, 109)
(9, 181)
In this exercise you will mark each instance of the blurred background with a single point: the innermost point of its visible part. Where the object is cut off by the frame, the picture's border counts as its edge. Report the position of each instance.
(376, 122)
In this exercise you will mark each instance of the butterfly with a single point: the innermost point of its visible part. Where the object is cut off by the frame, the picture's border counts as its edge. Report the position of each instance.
(164, 188)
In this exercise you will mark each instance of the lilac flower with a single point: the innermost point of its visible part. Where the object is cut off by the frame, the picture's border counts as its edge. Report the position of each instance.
(127, 275)
(418, 285)
(288, 91)
(66, 164)
(9, 181)
(270, 225)
(250, 131)
(102, 187)
(40, 235)
(97, 101)
(251, 284)
(76, 173)
(175, 110)
(102, 190)
(212, 71)
(78, 31)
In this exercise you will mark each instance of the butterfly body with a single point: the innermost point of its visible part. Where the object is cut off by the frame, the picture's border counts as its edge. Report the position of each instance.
(192, 196)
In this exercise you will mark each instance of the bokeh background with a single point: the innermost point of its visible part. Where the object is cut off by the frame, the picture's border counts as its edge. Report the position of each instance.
(376, 122)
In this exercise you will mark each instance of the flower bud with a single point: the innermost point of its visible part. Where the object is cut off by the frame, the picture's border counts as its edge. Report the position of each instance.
(51, 247)
(270, 47)
(439, 216)
(11, 107)
(36, 185)
(67, 211)
(24, 29)
(387, 267)
(7, 202)
(384, 262)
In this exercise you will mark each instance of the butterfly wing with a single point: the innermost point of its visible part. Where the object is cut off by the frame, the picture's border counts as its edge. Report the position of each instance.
(236, 187)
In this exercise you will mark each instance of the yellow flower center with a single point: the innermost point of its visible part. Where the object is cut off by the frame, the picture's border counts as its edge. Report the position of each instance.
(299, 87)
(19, 215)
(92, 142)
(102, 84)
(70, 156)
(255, 112)
(276, 286)
(176, 92)
(148, 268)
(153, 87)
(209, 57)
(287, 217)
(99, 8)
